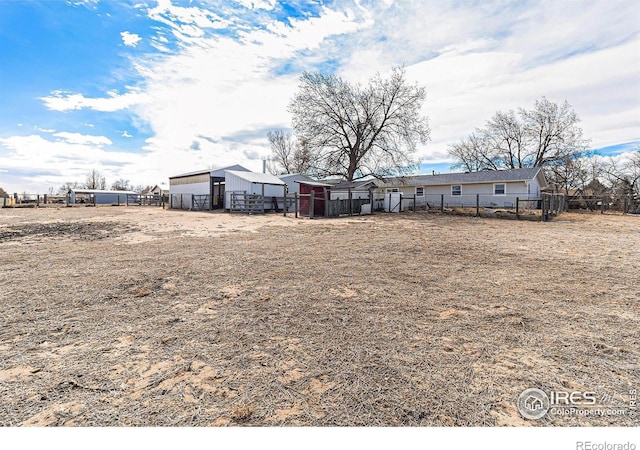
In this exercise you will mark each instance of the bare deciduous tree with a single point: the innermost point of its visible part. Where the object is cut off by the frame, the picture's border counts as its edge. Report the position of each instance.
(547, 135)
(472, 154)
(288, 154)
(95, 180)
(121, 185)
(623, 173)
(356, 131)
(64, 189)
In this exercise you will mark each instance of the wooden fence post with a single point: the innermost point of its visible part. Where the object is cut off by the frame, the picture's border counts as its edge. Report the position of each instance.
(371, 200)
(312, 200)
(517, 207)
(284, 201)
(441, 203)
(296, 204)
(350, 197)
(626, 205)
(477, 205)
(602, 206)
(326, 201)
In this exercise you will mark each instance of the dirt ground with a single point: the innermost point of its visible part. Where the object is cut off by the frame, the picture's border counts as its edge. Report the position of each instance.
(118, 316)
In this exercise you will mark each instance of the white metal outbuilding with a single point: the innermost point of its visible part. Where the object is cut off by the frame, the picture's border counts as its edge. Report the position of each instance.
(211, 183)
(253, 183)
(101, 196)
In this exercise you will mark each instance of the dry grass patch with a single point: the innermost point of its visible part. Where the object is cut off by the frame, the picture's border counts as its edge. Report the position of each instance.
(197, 319)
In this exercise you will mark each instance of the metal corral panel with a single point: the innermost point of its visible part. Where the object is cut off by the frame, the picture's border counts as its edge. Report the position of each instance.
(393, 202)
(251, 183)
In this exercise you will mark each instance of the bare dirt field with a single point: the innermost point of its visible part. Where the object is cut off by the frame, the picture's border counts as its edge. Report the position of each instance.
(117, 316)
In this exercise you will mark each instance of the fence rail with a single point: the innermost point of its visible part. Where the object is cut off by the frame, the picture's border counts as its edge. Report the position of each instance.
(625, 204)
(37, 200)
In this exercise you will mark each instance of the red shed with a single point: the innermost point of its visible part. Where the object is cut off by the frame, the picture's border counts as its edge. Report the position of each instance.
(319, 189)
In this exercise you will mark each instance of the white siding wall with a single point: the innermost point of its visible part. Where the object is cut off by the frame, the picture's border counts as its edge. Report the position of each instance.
(234, 183)
(187, 190)
(292, 186)
(407, 195)
(486, 191)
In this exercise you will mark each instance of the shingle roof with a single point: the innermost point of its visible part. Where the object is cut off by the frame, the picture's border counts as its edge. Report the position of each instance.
(485, 176)
(359, 184)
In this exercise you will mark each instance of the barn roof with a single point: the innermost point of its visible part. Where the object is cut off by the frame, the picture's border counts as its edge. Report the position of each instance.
(295, 177)
(214, 173)
(102, 191)
(257, 177)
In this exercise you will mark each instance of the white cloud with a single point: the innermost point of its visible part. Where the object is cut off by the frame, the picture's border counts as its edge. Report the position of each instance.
(81, 139)
(130, 39)
(66, 101)
(44, 130)
(220, 87)
(68, 158)
(258, 4)
(126, 134)
(219, 80)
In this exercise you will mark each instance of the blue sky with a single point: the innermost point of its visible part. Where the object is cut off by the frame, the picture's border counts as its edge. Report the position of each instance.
(147, 89)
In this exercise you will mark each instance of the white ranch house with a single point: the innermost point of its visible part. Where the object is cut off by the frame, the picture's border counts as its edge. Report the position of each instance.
(496, 188)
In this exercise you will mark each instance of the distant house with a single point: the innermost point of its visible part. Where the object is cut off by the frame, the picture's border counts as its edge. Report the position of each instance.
(158, 189)
(202, 189)
(498, 188)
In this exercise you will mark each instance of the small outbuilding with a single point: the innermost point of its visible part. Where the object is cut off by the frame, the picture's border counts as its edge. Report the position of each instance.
(101, 196)
(253, 192)
(320, 192)
(201, 190)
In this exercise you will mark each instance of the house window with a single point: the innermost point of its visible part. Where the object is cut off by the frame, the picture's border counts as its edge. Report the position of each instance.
(420, 191)
(456, 190)
(392, 190)
(499, 189)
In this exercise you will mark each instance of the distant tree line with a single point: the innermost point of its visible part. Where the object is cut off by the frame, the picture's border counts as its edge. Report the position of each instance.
(95, 180)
